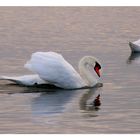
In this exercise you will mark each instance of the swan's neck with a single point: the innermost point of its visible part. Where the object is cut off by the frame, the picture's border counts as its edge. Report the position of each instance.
(87, 72)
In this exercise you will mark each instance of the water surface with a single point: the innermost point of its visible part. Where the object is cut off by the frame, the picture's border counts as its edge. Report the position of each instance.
(103, 32)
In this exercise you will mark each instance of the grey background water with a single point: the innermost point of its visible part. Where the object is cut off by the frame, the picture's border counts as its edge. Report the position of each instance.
(103, 32)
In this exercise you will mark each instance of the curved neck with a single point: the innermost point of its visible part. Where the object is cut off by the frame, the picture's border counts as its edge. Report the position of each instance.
(87, 71)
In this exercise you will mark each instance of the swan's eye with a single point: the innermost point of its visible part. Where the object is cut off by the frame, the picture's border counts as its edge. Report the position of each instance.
(97, 67)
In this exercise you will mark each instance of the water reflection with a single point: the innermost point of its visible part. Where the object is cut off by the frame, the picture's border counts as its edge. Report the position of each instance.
(90, 100)
(59, 101)
(11, 88)
(134, 58)
(53, 102)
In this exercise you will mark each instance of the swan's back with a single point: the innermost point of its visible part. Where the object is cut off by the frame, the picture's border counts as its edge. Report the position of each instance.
(135, 46)
(52, 67)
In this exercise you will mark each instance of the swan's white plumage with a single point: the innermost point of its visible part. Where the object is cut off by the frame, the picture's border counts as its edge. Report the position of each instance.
(28, 80)
(135, 46)
(52, 67)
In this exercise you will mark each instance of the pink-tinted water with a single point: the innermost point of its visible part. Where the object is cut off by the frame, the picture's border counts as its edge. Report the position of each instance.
(103, 32)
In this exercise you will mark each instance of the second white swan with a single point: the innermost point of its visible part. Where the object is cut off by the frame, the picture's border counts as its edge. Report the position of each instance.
(135, 46)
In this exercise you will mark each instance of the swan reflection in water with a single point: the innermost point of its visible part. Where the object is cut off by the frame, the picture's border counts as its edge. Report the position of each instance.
(90, 101)
(134, 58)
(64, 101)
(51, 102)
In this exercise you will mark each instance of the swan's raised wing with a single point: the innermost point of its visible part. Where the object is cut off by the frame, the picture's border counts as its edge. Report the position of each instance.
(52, 67)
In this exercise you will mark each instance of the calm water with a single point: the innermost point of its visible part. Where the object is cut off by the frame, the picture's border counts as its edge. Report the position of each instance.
(103, 32)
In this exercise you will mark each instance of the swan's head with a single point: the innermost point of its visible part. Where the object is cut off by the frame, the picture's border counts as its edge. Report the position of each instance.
(90, 63)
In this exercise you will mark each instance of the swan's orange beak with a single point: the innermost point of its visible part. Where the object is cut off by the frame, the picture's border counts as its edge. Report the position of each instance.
(97, 68)
(97, 71)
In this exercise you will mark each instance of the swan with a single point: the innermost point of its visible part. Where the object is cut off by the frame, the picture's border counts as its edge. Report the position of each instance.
(51, 68)
(54, 69)
(135, 46)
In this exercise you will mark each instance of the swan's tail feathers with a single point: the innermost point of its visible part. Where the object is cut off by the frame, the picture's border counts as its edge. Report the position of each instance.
(131, 45)
(4, 77)
(12, 79)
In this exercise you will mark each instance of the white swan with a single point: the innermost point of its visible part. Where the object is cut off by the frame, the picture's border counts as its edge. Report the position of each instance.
(52, 68)
(135, 46)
